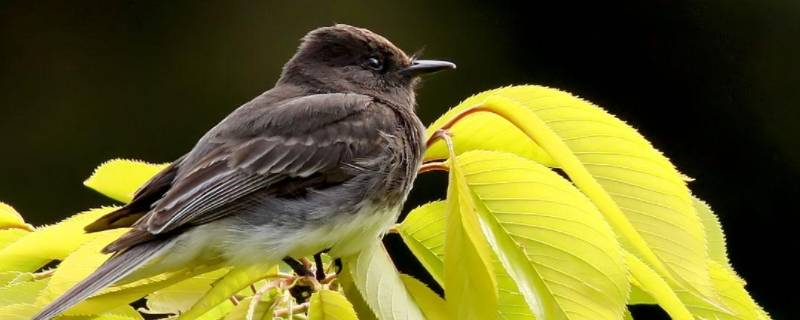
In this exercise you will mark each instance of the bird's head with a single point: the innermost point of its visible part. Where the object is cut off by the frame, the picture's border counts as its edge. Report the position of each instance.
(343, 58)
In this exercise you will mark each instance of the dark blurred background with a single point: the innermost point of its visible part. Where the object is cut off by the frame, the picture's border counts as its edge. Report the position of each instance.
(713, 84)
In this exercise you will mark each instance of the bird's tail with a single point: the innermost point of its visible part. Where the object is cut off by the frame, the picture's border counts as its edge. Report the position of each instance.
(114, 269)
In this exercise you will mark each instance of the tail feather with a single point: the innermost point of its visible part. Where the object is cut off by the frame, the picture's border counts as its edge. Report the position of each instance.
(114, 269)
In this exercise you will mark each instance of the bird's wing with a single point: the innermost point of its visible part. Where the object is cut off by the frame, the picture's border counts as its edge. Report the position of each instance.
(150, 192)
(307, 140)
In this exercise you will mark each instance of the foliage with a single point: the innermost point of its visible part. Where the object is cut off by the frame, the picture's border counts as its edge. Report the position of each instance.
(555, 210)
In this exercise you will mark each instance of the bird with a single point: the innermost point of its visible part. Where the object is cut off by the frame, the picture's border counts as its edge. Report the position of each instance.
(323, 161)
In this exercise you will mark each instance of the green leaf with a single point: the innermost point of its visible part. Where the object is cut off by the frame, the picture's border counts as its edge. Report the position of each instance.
(330, 305)
(716, 237)
(11, 219)
(12, 277)
(643, 197)
(120, 313)
(22, 311)
(262, 310)
(24, 292)
(127, 293)
(8, 236)
(37, 248)
(469, 282)
(653, 284)
(119, 178)
(177, 298)
(123, 312)
(220, 311)
(236, 279)
(78, 265)
(549, 237)
(374, 276)
(736, 302)
(433, 306)
(423, 232)
(349, 289)
(628, 315)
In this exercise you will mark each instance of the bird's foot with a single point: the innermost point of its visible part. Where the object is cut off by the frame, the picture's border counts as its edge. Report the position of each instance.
(303, 287)
(320, 271)
(299, 268)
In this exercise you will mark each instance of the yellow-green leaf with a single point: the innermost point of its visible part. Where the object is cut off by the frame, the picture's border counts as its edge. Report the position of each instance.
(119, 178)
(223, 288)
(349, 289)
(179, 297)
(37, 248)
(261, 311)
(22, 292)
(469, 282)
(428, 301)
(628, 315)
(8, 236)
(641, 194)
(22, 311)
(549, 237)
(218, 312)
(717, 250)
(123, 312)
(13, 277)
(130, 292)
(423, 232)
(378, 283)
(78, 265)
(650, 282)
(10, 218)
(736, 303)
(330, 305)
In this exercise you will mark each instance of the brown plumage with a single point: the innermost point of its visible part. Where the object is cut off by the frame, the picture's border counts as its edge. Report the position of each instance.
(325, 158)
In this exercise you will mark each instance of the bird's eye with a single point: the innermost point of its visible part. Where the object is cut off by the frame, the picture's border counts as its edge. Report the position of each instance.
(375, 64)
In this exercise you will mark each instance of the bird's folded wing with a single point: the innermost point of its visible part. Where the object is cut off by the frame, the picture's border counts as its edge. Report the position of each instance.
(150, 192)
(307, 138)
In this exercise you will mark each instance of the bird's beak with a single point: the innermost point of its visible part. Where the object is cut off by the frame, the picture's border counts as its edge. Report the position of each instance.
(420, 67)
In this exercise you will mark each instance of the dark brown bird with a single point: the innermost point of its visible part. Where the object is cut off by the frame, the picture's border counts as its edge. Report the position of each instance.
(322, 161)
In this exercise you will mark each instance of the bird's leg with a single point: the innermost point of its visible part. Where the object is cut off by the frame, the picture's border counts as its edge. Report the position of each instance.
(302, 288)
(298, 267)
(338, 264)
(320, 272)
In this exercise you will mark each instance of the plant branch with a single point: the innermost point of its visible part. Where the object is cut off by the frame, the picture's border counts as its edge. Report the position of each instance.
(434, 166)
(300, 308)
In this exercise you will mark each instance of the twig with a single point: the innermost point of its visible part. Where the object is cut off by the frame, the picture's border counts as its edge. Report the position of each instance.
(433, 166)
(300, 308)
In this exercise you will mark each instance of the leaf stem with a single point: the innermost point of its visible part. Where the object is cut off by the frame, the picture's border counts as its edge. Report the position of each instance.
(434, 166)
(300, 308)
